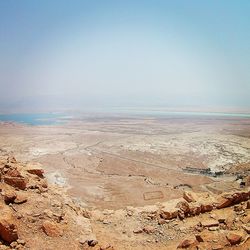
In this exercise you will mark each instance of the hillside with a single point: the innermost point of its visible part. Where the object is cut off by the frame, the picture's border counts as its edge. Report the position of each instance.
(35, 215)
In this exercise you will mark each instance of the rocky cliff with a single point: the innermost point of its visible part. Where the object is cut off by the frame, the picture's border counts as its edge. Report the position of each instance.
(35, 215)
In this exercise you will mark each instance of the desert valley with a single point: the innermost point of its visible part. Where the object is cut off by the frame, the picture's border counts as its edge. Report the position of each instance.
(136, 179)
(124, 125)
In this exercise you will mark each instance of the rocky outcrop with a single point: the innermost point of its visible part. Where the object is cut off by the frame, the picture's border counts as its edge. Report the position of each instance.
(28, 206)
(46, 213)
(11, 175)
(233, 198)
(193, 207)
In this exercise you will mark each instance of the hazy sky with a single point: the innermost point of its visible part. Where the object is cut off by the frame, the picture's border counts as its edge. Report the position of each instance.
(57, 53)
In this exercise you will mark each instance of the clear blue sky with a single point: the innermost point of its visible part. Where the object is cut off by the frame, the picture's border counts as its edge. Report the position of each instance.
(124, 53)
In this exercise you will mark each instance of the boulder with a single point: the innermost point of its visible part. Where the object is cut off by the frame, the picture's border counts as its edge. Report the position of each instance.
(186, 243)
(168, 214)
(189, 197)
(245, 196)
(234, 238)
(8, 229)
(52, 229)
(20, 198)
(206, 208)
(92, 243)
(223, 202)
(9, 196)
(183, 206)
(13, 173)
(195, 209)
(181, 215)
(232, 198)
(17, 182)
(207, 236)
(36, 171)
(210, 223)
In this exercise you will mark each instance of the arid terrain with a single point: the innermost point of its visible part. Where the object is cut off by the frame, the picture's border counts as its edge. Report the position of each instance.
(134, 182)
(112, 162)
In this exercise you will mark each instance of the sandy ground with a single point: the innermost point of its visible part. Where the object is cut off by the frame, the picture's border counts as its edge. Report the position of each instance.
(112, 162)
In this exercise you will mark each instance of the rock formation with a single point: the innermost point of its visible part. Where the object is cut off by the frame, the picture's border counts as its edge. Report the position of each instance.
(35, 215)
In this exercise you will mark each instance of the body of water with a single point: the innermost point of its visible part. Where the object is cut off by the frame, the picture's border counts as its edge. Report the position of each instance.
(33, 119)
(58, 118)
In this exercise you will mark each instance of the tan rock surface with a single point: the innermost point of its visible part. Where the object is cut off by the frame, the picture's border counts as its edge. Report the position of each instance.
(52, 229)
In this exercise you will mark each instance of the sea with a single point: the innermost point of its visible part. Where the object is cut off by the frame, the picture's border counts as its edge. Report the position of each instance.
(59, 118)
(33, 119)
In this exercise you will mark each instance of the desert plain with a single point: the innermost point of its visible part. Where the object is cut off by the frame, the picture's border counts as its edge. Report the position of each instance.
(114, 161)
